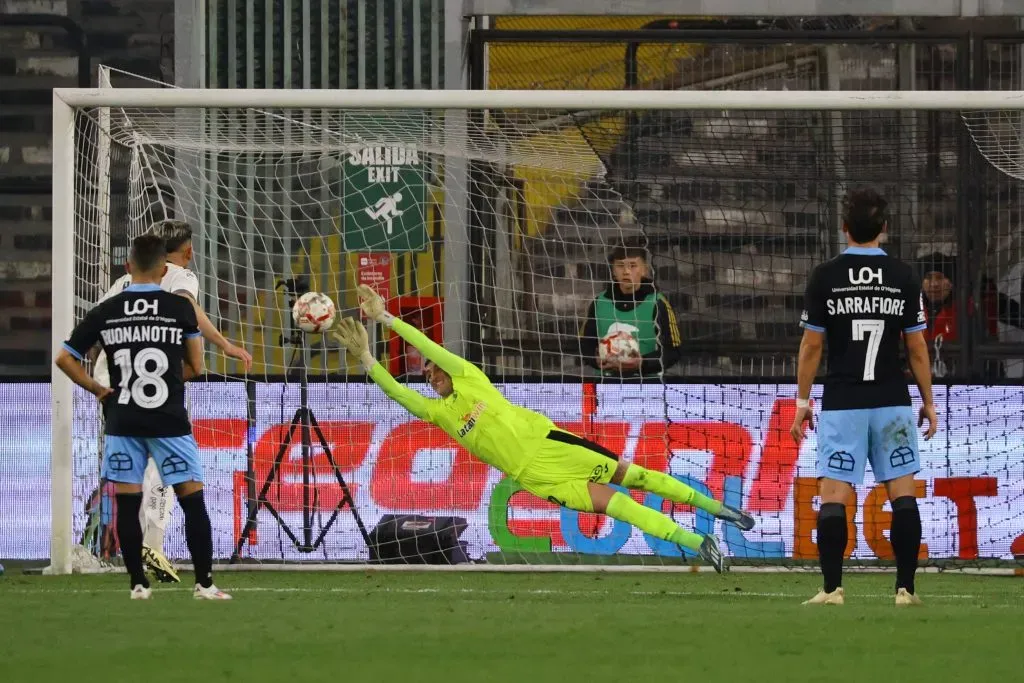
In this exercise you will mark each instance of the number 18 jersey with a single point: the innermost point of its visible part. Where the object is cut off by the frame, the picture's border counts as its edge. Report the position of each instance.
(143, 331)
(863, 301)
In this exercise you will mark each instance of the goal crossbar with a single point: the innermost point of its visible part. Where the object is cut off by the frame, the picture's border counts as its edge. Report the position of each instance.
(540, 99)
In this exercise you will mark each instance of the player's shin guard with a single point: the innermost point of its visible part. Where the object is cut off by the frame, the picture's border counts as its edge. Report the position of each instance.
(669, 487)
(624, 508)
(832, 543)
(198, 536)
(129, 536)
(906, 540)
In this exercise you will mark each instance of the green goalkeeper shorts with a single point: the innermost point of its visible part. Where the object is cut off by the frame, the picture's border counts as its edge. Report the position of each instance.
(562, 466)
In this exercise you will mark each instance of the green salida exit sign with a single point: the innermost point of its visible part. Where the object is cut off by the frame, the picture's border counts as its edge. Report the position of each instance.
(385, 194)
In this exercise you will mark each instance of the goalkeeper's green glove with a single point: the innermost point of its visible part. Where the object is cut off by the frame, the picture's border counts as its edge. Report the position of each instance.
(372, 305)
(352, 335)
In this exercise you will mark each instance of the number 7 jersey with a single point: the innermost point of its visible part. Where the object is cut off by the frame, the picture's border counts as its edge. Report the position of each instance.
(863, 301)
(143, 331)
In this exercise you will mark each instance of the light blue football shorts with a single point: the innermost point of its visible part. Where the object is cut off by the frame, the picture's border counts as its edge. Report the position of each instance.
(849, 439)
(177, 458)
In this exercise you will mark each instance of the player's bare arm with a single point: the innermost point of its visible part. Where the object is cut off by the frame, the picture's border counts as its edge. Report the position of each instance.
(808, 360)
(74, 369)
(193, 365)
(213, 335)
(920, 367)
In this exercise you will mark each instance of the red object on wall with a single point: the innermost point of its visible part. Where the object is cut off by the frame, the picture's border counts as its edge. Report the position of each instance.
(375, 270)
(423, 312)
(945, 321)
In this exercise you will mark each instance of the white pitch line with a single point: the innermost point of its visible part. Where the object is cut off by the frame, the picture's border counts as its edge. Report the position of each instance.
(491, 591)
(541, 591)
(353, 567)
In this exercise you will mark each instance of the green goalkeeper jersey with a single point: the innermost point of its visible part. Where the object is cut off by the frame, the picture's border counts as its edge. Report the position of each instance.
(475, 414)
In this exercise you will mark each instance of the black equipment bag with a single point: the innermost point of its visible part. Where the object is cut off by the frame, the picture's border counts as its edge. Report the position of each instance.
(417, 539)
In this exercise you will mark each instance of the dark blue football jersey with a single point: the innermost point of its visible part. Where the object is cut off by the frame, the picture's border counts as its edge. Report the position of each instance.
(864, 301)
(143, 331)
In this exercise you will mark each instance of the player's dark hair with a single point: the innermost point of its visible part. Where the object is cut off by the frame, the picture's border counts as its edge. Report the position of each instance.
(865, 215)
(175, 234)
(629, 248)
(148, 252)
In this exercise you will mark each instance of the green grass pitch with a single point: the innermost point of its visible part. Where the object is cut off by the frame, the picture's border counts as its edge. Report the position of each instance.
(528, 628)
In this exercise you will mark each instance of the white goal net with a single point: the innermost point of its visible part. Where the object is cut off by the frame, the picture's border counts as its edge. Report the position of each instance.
(486, 219)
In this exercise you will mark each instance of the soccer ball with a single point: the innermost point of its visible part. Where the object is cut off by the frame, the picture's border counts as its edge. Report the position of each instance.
(313, 312)
(619, 345)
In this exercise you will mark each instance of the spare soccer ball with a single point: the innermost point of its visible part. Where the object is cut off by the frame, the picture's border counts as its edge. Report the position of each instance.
(313, 312)
(619, 345)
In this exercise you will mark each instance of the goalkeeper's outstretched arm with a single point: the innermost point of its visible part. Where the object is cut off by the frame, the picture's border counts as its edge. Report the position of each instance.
(373, 307)
(352, 335)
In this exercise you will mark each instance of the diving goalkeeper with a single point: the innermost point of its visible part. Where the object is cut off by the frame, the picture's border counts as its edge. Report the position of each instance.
(550, 463)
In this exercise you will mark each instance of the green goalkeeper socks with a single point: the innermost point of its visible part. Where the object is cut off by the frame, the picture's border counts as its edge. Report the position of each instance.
(669, 487)
(624, 508)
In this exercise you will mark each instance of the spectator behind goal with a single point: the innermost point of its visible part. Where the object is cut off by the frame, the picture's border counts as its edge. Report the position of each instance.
(939, 282)
(631, 305)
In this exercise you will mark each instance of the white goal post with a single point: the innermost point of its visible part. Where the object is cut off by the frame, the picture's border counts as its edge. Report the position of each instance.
(480, 139)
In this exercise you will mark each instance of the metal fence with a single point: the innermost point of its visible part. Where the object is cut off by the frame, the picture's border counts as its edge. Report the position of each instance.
(325, 44)
(737, 209)
(731, 248)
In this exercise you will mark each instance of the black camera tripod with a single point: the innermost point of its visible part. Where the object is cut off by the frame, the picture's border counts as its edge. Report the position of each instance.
(304, 422)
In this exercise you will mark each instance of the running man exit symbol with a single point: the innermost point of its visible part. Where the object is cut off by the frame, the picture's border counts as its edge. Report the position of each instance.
(386, 210)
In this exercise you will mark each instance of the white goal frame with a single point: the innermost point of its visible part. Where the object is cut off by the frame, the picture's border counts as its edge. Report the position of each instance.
(65, 100)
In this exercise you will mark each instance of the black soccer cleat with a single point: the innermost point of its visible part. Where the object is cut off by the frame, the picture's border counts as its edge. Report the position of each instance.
(738, 517)
(711, 553)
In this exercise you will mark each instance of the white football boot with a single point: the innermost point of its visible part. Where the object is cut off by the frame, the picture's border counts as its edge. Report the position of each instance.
(211, 593)
(905, 599)
(140, 592)
(836, 597)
